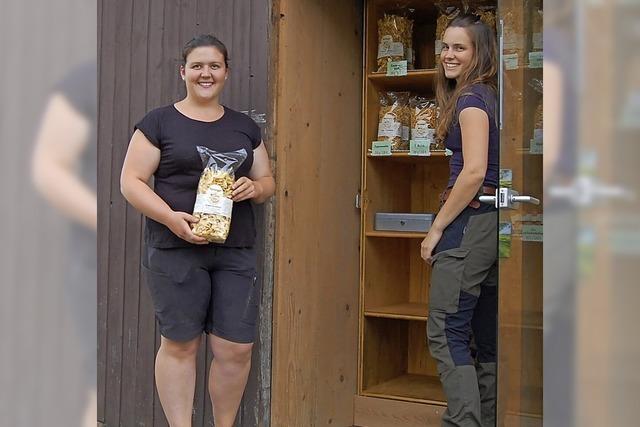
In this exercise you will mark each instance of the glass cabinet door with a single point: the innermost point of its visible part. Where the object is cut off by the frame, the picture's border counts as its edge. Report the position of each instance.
(520, 237)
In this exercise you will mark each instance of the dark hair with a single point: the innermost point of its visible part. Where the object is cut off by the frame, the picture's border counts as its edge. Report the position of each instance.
(205, 40)
(483, 69)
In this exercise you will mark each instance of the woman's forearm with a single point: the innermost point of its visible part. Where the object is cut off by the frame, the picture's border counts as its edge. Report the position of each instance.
(145, 200)
(267, 188)
(463, 192)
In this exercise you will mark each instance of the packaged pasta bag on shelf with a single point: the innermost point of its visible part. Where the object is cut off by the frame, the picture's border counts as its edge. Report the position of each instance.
(213, 201)
(424, 116)
(486, 12)
(536, 28)
(447, 12)
(513, 39)
(395, 41)
(394, 119)
(438, 144)
(535, 45)
(538, 123)
(535, 144)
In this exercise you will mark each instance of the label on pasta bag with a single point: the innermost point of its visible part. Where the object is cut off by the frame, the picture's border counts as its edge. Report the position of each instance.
(537, 41)
(213, 202)
(422, 131)
(389, 127)
(388, 47)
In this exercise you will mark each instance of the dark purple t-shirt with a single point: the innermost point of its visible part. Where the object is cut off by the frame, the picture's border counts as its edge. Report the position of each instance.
(176, 179)
(483, 97)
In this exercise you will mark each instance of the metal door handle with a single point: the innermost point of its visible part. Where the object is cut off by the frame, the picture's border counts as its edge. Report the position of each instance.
(525, 199)
(488, 199)
(507, 198)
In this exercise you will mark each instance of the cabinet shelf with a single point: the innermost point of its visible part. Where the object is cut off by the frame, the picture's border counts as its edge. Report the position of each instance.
(522, 326)
(420, 81)
(396, 234)
(524, 320)
(404, 156)
(409, 387)
(408, 311)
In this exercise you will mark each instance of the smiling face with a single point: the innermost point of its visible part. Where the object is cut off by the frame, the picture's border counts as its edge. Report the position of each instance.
(204, 73)
(457, 52)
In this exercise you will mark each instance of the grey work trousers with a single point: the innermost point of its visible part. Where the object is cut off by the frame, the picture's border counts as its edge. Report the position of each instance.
(462, 312)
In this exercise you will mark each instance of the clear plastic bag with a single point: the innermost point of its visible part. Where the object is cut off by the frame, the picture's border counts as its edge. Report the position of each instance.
(447, 12)
(394, 119)
(213, 201)
(424, 118)
(395, 41)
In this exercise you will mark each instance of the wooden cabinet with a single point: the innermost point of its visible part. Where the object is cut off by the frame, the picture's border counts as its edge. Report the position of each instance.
(398, 380)
(328, 256)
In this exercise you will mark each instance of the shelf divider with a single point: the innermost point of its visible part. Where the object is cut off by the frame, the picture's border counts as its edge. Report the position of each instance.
(408, 311)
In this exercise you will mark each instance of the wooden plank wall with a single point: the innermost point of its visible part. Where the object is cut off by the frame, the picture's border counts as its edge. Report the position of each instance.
(40, 356)
(318, 74)
(139, 46)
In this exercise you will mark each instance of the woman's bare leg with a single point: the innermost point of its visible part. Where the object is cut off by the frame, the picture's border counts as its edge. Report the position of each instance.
(176, 379)
(228, 378)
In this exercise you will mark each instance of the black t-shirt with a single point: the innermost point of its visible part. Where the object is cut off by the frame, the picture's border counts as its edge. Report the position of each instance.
(483, 97)
(178, 173)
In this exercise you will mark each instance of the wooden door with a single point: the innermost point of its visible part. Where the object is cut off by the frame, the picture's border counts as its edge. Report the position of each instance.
(317, 86)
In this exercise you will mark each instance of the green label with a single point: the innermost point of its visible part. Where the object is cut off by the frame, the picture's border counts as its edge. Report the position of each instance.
(535, 59)
(381, 148)
(419, 147)
(510, 61)
(535, 146)
(397, 68)
(531, 233)
(527, 218)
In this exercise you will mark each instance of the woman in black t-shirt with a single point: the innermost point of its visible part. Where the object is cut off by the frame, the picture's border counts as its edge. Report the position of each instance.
(461, 243)
(198, 287)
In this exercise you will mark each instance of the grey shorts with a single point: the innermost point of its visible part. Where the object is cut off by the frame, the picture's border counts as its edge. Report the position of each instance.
(210, 289)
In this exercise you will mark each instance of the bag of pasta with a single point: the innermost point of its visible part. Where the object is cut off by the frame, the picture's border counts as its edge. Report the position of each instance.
(213, 202)
(394, 119)
(487, 14)
(447, 12)
(424, 116)
(395, 41)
